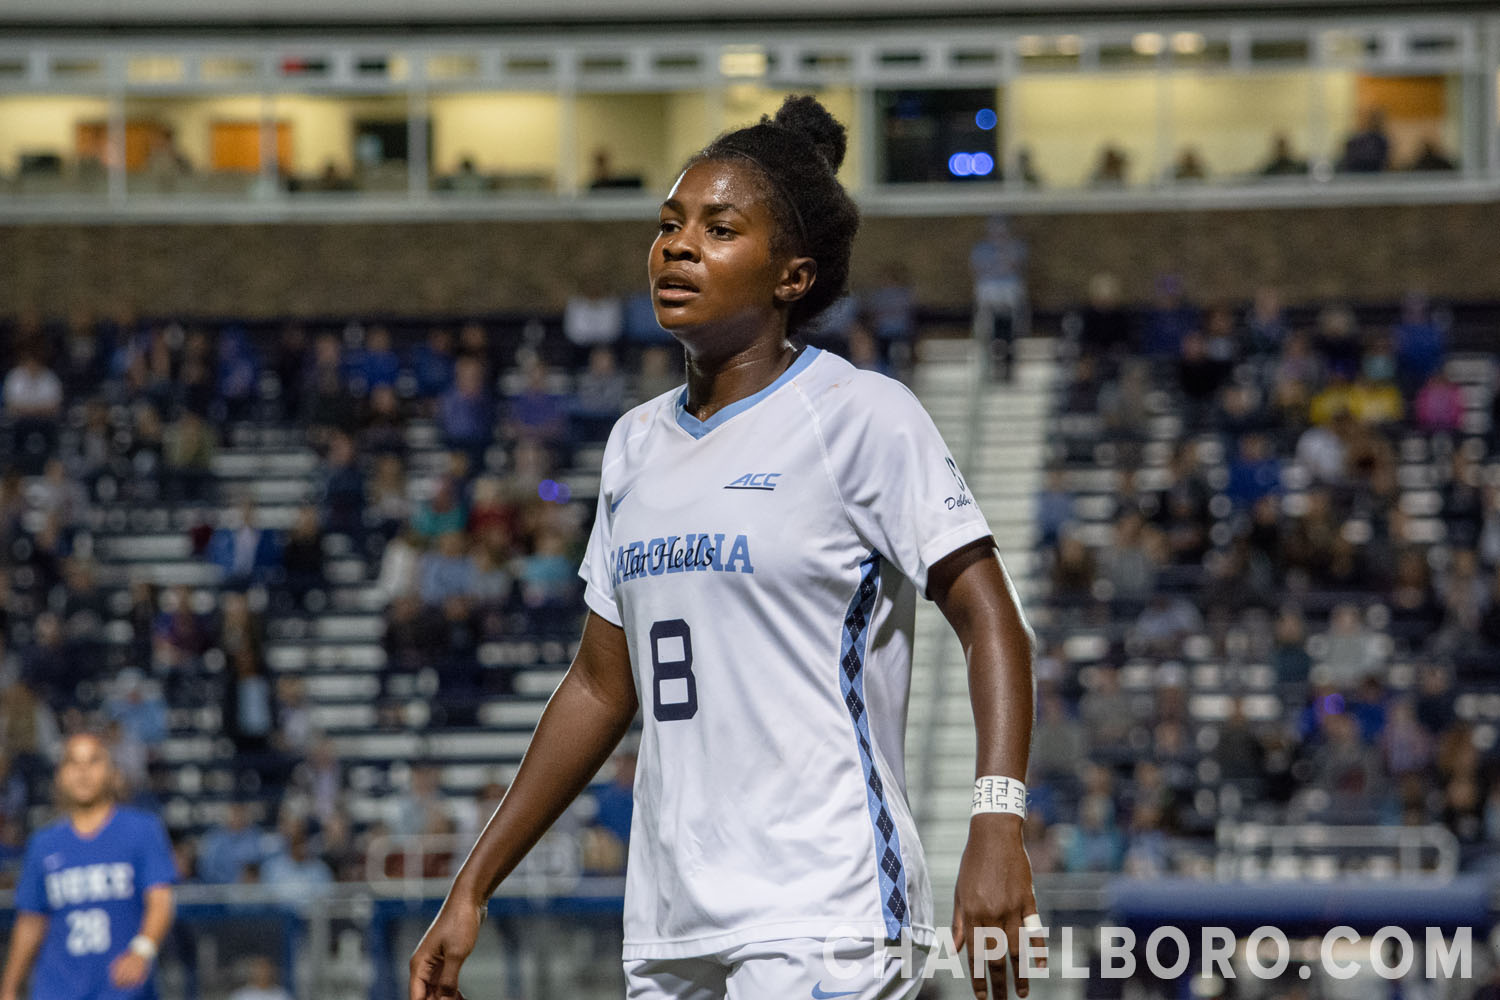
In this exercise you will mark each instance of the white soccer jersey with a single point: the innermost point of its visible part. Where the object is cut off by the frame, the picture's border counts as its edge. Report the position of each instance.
(765, 565)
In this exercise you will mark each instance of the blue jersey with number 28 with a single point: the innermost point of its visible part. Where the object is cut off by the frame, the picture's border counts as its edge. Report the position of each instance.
(92, 890)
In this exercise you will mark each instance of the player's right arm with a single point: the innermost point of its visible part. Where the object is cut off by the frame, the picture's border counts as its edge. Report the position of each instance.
(25, 941)
(584, 721)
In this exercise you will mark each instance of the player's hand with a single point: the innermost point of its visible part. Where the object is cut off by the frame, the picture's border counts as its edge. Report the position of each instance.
(441, 952)
(993, 891)
(128, 971)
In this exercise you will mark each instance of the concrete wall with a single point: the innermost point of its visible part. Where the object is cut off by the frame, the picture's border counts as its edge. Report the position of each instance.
(1363, 253)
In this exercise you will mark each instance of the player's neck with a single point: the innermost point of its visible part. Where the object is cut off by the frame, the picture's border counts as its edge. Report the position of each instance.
(714, 383)
(88, 820)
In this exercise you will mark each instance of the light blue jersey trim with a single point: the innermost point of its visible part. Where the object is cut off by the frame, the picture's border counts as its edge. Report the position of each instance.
(854, 639)
(697, 428)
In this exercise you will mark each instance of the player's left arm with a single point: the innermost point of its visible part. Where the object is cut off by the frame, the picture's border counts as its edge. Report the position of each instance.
(994, 879)
(131, 968)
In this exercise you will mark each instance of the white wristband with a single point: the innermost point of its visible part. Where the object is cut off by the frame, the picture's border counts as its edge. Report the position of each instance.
(144, 947)
(995, 794)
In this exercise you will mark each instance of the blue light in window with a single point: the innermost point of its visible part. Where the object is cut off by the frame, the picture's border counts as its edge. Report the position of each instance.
(986, 118)
(983, 164)
(961, 165)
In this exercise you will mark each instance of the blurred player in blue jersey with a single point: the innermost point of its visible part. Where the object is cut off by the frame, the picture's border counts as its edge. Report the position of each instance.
(95, 897)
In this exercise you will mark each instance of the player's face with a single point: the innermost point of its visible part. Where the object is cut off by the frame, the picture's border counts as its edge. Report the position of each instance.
(712, 266)
(85, 773)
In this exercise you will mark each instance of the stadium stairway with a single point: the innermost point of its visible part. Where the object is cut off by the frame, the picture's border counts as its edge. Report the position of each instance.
(997, 432)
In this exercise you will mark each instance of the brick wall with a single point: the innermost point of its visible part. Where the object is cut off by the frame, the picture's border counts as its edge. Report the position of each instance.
(1362, 253)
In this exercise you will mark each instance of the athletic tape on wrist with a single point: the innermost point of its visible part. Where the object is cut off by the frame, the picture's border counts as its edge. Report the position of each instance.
(996, 794)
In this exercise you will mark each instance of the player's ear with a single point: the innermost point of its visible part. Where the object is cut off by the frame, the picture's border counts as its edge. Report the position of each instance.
(797, 278)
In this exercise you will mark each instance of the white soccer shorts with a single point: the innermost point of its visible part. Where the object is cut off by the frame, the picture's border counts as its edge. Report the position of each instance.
(789, 969)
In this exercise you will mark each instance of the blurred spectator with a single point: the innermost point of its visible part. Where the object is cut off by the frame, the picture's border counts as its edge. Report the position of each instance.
(1351, 650)
(1368, 150)
(260, 982)
(1337, 341)
(1374, 399)
(239, 372)
(420, 808)
(138, 706)
(1189, 165)
(249, 708)
(1104, 324)
(891, 309)
(1321, 449)
(657, 375)
(1170, 319)
(227, 849)
(1060, 741)
(1283, 161)
(443, 512)
(1254, 471)
(387, 505)
(298, 875)
(33, 398)
(997, 263)
(1054, 505)
(1431, 157)
(1420, 342)
(1112, 168)
(1439, 406)
(433, 364)
(592, 317)
(189, 446)
(382, 429)
(326, 402)
(1345, 768)
(864, 351)
(536, 413)
(244, 551)
(1106, 710)
(600, 395)
(302, 561)
(465, 413)
(343, 489)
(320, 778)
(1289, 655)
(1095, 843)
(446, 571)
(376, 364)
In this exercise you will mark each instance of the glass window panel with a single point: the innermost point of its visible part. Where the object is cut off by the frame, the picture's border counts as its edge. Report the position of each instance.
(500, 142)
(638, 142)
(1232, 123)
(154, 69)
(1049, 53)
(345, 143)
(227, 68)
(192, 144)
(453, 66)
(947, 135)
(1068, 123)
(55, 145)
(1280, 50)
(1420, 116)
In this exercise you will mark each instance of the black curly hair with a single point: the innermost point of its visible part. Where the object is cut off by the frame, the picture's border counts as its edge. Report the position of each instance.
(798, 153)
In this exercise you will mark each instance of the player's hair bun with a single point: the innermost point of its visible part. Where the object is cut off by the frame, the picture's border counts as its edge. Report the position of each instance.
(806, 116)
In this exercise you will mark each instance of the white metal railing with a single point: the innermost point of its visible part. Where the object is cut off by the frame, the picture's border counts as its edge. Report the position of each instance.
(1316, 850)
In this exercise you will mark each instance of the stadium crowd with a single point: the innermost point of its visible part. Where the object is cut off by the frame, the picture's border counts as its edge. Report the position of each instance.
(1309, 506)
(468, 536)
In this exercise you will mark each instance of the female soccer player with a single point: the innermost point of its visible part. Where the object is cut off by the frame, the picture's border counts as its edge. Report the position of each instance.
(761, 539)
